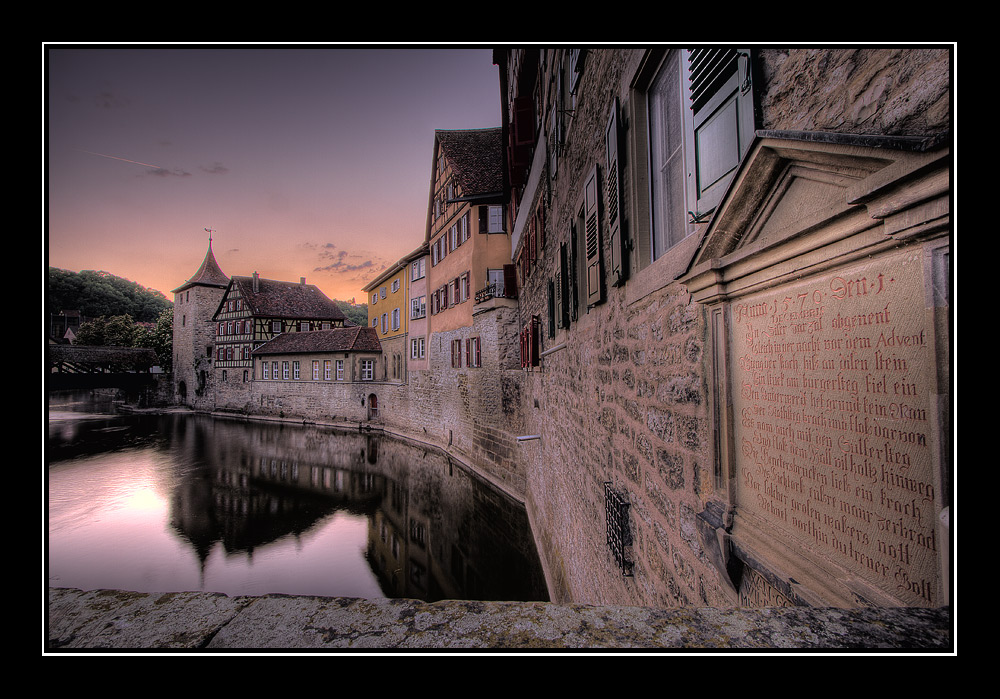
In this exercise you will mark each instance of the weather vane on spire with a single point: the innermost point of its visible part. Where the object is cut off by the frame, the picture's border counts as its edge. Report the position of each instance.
(210, 231)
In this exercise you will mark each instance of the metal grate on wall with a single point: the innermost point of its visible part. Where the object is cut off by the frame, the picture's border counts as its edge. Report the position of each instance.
(616, 508)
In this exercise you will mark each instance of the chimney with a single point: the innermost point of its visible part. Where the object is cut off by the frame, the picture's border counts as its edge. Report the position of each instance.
(256, 282)
(302, 281)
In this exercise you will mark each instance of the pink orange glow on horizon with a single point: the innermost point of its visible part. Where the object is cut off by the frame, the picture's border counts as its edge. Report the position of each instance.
(304, 162)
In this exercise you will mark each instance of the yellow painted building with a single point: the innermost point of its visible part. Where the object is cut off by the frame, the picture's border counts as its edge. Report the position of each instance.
(388, 312)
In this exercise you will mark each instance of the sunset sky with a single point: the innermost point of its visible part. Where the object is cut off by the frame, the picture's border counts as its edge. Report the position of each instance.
(305, 161)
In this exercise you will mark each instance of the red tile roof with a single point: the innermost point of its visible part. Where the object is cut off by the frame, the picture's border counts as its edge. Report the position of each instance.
(276, 299)
(475, 156)
(209, 274)
(354, 339)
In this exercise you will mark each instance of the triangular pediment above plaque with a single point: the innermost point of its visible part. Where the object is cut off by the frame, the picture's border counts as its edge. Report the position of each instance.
(795, 200)
(786, 186)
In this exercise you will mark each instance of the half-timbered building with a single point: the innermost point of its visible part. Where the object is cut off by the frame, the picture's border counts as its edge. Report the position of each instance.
(254, 311)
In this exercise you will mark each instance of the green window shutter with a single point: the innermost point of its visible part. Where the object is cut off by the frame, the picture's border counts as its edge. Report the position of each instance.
(552, 308)
(562, 288)
(592, 233)
(573, 282)
(721, 99)
(617, 251)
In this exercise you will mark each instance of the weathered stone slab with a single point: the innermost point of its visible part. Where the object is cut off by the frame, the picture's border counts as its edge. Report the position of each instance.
(199, 621)
(835, 430)
(114, 619)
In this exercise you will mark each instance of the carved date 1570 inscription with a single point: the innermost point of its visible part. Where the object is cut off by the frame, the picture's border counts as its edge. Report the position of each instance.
(832, 381)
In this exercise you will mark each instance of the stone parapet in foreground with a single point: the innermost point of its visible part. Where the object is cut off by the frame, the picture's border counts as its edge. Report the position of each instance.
(118, 620)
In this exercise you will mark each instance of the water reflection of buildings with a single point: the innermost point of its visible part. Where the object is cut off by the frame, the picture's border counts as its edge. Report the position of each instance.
(434, 530)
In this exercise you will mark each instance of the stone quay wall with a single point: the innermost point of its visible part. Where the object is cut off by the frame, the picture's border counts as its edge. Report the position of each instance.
(472, 413)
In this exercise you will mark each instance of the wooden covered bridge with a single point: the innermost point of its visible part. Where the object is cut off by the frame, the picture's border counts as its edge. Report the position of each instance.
(87, 366)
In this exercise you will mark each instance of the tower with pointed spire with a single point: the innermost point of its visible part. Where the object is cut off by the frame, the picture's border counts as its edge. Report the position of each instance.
(195, 302)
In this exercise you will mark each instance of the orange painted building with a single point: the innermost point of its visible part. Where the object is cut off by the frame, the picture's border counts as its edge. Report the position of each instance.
(467, 235)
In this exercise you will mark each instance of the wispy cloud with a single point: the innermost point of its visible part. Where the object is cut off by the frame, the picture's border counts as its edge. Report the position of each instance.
(341, 263)
(215, 169)
(165, 172)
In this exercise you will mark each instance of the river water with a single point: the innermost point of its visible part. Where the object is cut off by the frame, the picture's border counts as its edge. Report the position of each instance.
(177, 502)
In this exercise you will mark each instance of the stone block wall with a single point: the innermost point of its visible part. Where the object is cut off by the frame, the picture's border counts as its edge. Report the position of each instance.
(473, 412)
(619, 398)
(194, 338)
(623, 395)
(900, 91)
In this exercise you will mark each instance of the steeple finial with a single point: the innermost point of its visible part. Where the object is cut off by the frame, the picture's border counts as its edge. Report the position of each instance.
(210, 231)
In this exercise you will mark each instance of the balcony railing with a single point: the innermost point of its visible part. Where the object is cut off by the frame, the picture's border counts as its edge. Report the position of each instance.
(494, 290)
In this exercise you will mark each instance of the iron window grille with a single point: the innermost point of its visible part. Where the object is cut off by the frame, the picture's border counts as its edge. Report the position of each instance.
(616, 507)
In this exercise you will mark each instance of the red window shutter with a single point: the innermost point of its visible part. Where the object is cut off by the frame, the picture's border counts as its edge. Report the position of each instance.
(536, 329)
(524, 121)
(510, 281)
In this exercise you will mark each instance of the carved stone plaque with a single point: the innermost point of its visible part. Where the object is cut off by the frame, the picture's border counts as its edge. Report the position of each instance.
(833, 385)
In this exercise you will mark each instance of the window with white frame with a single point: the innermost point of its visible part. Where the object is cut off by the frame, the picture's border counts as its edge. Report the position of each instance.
(473, 356)
(695, 114)
(367, 369)
(326, 369)
(417, 269)
(315, 370)
(284, 370)
(664, 99)
(395, 285)
(417, 348)
(395, 319)
(418, 307)
(295, 370)
(340, 370)
(264, 370)
(274, 370)
(495, 219)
